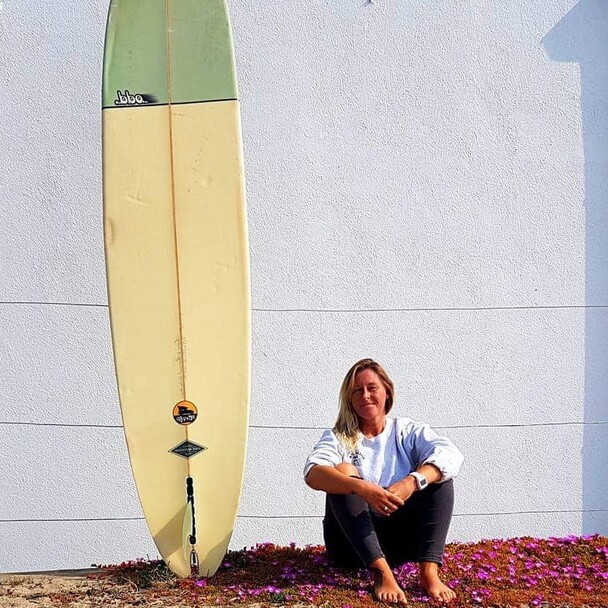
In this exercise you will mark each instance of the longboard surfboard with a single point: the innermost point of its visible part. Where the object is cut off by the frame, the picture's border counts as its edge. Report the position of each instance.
(177, 268)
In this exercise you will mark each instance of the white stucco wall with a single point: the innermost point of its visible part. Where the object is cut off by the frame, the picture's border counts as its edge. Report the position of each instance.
(427, 185)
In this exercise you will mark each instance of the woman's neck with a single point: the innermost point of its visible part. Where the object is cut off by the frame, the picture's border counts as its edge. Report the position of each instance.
(372, 428)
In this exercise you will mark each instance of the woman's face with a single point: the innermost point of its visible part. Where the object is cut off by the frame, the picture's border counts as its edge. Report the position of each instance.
(369, 395)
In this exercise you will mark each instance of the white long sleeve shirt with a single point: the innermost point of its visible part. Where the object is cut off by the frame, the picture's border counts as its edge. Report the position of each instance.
(402, 447)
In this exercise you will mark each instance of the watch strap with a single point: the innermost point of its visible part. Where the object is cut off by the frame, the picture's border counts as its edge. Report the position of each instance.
(421, 480)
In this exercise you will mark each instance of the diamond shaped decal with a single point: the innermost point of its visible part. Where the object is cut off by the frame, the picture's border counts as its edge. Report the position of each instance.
(187, 449)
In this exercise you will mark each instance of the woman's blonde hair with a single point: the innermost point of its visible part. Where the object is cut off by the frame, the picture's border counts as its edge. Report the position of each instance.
(347, 424)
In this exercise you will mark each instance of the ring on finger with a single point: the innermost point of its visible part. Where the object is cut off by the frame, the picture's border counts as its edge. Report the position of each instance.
(385, 508)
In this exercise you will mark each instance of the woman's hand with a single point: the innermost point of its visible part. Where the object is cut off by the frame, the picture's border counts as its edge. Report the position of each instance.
(404, 488)
(380, 500)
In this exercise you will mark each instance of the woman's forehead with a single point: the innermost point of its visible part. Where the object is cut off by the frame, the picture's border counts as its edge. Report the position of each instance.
(366, 376)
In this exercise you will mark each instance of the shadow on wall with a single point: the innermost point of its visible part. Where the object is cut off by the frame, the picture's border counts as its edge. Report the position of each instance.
(582, 37)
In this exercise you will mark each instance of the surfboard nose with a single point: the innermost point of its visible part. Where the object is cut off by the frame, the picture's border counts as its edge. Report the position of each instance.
(168, 51)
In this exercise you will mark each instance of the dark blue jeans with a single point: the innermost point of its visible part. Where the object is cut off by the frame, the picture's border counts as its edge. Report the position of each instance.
(355, 536)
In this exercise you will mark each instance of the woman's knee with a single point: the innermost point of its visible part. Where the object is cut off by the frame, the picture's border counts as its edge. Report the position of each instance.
(347, 469)
(436, 506)
(445, 491)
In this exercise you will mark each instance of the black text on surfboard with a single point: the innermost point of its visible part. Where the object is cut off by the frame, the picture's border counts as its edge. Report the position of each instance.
(187, 449)
(128, 99)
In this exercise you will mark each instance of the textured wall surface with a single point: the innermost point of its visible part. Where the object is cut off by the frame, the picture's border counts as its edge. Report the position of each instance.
(426, 185)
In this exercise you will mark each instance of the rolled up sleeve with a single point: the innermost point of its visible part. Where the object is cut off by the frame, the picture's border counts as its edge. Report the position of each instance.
(327, 452)
(431, 448)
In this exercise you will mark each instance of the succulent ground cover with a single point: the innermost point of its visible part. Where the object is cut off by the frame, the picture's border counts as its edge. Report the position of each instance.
(519, 572)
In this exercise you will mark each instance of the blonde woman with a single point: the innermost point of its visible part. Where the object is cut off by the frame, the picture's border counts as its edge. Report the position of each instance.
(389, 486)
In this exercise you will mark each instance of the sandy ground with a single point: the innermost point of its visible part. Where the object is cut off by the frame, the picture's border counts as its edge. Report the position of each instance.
(29, 590)
(65, 588)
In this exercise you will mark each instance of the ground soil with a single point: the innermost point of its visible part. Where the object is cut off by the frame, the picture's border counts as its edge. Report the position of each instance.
(77, 589)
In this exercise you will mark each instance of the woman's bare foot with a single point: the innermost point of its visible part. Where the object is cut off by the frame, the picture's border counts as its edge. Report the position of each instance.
(432, 584)
(386, 588)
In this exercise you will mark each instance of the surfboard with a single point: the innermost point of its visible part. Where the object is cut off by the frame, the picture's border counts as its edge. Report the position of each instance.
(177, 268)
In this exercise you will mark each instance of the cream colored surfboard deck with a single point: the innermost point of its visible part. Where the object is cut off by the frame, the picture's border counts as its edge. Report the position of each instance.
(177, 266)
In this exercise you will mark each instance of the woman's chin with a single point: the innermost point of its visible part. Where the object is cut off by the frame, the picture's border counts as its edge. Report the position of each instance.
(369, 414)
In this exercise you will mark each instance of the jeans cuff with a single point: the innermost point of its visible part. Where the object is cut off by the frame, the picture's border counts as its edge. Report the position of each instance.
(373, 559)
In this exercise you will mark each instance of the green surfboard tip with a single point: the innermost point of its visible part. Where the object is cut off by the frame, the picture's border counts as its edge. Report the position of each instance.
(167, 51)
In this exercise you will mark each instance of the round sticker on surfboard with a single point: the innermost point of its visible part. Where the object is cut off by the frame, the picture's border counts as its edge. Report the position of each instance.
(185, 412)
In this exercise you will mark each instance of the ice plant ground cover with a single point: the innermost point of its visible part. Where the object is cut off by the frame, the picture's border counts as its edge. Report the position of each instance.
(553, 572)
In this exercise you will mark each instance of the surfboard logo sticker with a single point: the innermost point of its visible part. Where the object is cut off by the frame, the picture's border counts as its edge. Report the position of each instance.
(185, 412)
(187, 449)
(130, 99)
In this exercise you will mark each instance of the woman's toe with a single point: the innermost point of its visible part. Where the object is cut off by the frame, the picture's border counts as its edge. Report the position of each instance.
(447, 596)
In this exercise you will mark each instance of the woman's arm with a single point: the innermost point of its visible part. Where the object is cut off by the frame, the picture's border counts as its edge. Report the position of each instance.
(405, 487)
(428, 448)
(436, 457)
(332, 481)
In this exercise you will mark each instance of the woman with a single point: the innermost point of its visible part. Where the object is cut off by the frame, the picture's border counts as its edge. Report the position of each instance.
(389, 486)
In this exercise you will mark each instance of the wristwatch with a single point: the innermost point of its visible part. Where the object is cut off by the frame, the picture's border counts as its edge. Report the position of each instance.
(421, 480)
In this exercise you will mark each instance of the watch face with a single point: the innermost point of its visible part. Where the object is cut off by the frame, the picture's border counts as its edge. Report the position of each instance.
(422, 482)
